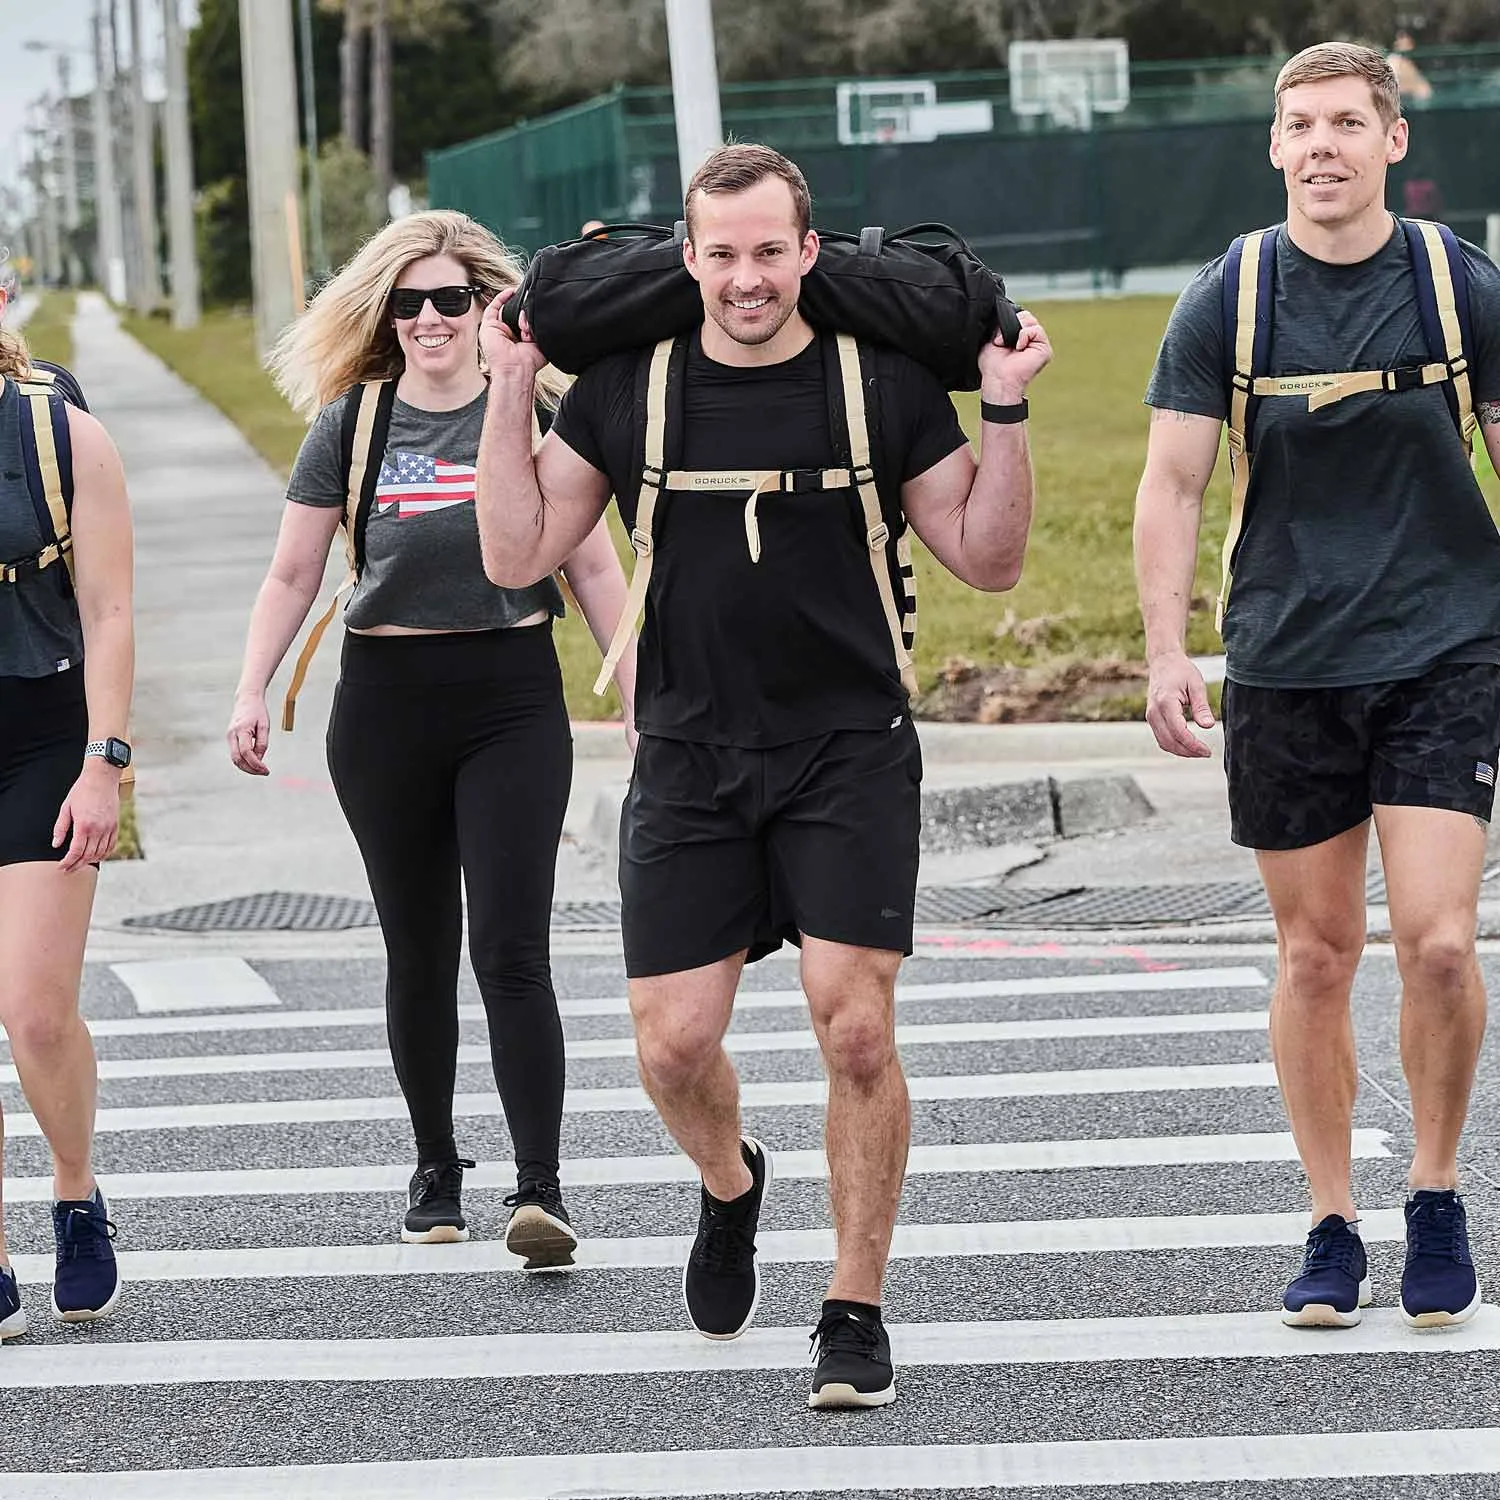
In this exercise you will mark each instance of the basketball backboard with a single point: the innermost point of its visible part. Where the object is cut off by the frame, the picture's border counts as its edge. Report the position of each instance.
(1070, 81)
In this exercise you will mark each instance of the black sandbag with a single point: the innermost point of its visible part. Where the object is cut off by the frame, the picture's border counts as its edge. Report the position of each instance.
(626, 287)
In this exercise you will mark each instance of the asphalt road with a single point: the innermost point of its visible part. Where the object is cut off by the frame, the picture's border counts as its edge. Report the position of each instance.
(1102, 1211)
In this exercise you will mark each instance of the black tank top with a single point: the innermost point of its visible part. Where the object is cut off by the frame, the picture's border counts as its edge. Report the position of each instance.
(40, 632)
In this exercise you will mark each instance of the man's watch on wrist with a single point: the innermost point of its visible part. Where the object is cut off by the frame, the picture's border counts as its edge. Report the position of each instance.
(1010, 412)
(113, 751)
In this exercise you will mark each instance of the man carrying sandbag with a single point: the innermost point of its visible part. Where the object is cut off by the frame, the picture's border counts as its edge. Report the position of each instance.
(776, 791)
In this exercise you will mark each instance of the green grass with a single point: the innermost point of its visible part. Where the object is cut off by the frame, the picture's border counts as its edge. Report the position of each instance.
(49, 330)
(1076, 598)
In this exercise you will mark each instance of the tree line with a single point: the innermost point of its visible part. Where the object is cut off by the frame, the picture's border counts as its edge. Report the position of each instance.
(394, 79)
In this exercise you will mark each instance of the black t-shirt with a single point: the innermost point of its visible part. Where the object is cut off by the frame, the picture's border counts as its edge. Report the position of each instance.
(1367, 553)
(754, 654)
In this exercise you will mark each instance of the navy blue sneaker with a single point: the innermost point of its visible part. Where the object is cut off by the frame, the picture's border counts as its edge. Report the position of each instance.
(1335, 1279)
(1438, 1285)
(12, 1314)
(87, 1285)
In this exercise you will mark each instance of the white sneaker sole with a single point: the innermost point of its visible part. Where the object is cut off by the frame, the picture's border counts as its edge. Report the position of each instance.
(439, 1234)
(13, 1326)
(765, 1192)
(1324, 1315)
(545, 1243)
(840, 1396)
(88, 1314)
(1443, 1319)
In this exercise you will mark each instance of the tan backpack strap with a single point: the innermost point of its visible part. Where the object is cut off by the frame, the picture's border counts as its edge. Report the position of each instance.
(1453, 337)
(40, 407)
(359, 466)
(877, 532)
(306, 654)
(1240, 392)
(653, 478)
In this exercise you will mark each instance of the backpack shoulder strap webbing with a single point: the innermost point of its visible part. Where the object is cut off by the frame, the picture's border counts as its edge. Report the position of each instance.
(1442, 282)
(47, 456)
(362, 436)
(653, 480)
(877, 531)
(1248, 297)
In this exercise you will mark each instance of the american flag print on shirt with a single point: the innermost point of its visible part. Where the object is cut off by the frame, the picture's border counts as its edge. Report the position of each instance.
(417, 484)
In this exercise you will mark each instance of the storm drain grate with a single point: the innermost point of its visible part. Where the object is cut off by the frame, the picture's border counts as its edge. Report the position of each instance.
(266, 911)
(1135, 905)
(586, 916)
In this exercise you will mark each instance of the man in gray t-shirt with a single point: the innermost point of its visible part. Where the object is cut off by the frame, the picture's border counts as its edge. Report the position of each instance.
(1362, 630)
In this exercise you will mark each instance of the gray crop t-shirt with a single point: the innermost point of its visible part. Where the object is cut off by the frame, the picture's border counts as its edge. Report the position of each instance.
(423, 568)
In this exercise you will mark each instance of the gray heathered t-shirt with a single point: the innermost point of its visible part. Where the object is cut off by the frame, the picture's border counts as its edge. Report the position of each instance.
(1367, 553)
(40, 632)
(422, 567)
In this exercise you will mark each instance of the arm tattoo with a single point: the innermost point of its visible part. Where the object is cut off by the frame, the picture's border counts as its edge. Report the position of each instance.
(1488, 413)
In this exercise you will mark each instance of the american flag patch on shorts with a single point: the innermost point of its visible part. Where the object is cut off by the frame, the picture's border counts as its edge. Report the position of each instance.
(1484, 773)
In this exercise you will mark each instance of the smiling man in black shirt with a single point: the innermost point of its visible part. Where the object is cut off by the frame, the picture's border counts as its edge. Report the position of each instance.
(1362, 630)
(776, 785)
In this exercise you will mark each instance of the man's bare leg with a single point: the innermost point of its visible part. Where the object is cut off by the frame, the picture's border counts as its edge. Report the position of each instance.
(1318, 899)
(680, 1021)
(1433, 862)
(852, 996)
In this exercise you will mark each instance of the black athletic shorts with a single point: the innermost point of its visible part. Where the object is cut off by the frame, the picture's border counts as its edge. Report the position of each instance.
(44, 726)
(723, 849)
(1307, 764)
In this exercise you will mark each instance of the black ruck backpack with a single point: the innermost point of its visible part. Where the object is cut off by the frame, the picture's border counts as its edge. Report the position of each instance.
(626, 287)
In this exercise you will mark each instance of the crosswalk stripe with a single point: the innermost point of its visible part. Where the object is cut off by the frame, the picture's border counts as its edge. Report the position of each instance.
(1166, 982)
(1039, 1341)
(772, 1247)
(194, 984)
(841, 1469)
(947, 1034)
(613, 1171)
(1050, 1084)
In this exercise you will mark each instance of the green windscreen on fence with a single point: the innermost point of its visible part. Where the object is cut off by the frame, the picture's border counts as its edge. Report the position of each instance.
(1168, 179)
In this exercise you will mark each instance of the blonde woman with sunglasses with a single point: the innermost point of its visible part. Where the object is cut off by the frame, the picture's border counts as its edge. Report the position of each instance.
(449, 743)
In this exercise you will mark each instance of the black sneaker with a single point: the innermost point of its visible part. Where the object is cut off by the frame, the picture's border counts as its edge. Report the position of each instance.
(1334, 1283)
(853, 1353)
(720, 1283)
(12, 1313)
(87, 1283)
(433, 1215)
(1439, 1287)
(539, 1229)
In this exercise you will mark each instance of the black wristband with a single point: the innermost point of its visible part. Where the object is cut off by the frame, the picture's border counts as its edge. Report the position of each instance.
(989, 411)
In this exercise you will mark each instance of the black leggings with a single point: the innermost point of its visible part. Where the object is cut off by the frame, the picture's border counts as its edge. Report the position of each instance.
(453, 752)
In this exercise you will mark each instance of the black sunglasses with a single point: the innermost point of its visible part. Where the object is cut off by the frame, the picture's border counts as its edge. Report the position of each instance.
(447, 301)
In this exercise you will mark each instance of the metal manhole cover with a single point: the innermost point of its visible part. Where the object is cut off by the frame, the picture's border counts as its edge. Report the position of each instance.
(266, 911)
(586, 916)
(1137, 905)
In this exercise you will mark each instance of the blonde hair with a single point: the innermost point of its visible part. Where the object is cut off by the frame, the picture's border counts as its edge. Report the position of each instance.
(346, 335)
(1344, 60)
(15, 358)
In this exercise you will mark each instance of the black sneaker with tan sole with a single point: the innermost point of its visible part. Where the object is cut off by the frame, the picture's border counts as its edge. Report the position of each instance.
(433, 1212)
(539, 1228)
(853, 1353)
(721, 1283)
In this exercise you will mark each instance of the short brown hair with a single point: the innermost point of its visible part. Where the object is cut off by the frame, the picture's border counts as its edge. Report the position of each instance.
(1344, 60)
(738, 167)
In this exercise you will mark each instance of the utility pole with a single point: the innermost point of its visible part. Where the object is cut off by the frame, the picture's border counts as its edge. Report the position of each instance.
(185, 296)
(143, 159)
(269, 67)
(106, 188)
(381, 151)
(695, 83)
(310, 143)
(49, 230)
(71, 216)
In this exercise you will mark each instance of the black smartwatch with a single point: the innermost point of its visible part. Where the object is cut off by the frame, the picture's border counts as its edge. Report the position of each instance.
(115, 752)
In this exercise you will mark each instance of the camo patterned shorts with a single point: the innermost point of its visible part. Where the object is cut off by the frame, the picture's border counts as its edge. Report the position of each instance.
(1307, 764)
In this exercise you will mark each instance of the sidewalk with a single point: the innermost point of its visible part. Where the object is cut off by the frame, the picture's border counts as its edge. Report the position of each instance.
(206, 514)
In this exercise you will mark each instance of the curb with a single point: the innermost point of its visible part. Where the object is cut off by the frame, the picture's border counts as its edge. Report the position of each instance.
(983, 816)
